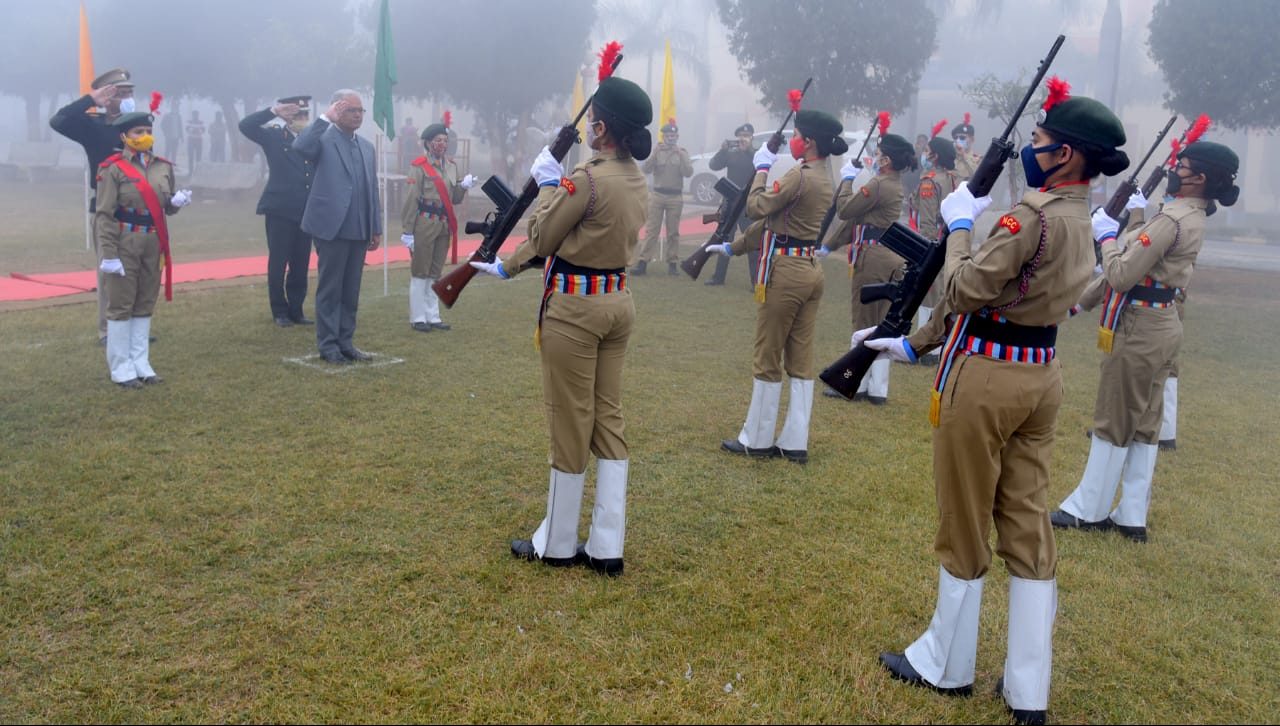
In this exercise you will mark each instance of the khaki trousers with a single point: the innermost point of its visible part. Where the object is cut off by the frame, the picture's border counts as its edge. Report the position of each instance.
(991, 455)
(668, 206)
(786, 321)
(431, 242)
(1130, 402)
(134, 295)
(584, 343)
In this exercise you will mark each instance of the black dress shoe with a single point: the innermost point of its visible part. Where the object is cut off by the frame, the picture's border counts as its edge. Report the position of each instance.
(302, 320)
(421, 327)
(672, 269)
(1137, 534)
(151, 339)
(639, 269)
(132, 383)
(152, 380)
(284, 322)
(610, 566)
(1167, 444)
(899, 667)
(336, 359)
(860, 396)
(713, 281)
(830, 392)
(523, 549)
(876, 400)
(1088, 434)
(1064, 520)
(1021, 716)
(796, 456)
(356, 354)
(440, 326)
(733, 446)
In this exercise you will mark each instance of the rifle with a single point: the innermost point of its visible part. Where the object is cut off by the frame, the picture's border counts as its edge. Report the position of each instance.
(924, 258)
(1156, 176)
(730, 210)
(497, 226)
(831, 211)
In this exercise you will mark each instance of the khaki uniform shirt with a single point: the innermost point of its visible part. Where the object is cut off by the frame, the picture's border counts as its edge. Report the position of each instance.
(422, 188)
(1164, 249)
(966, 164)
(669, 166)
(592, 220)
(877, 204)
(115, 191)
(794, 206)
(927, 199)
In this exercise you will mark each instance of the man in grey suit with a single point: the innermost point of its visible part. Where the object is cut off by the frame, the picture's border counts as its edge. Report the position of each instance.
(342, 215)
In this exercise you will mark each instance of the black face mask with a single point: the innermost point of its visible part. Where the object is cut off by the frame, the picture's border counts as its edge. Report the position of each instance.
(1173, 184)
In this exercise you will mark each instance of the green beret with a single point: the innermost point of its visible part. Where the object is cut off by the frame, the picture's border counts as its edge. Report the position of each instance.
(818, 124)
(133, 120)
(1084, 120)
(945, 151)
(625, 101)
(892, 145)
(1214, 154)
(433, 131)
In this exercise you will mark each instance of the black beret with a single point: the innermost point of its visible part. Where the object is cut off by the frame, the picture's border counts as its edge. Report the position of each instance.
(625, 101)
(818, 124)
(966, 129)
(1213, 154)
(433, 131)
(669, 127)
(945, 151)
(892, 145)
(1085, 120)
(744, 129)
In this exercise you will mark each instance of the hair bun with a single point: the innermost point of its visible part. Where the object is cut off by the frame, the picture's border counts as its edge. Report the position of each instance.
(638, 143)
(1229, 196)
(1113, 162)
(839, 147)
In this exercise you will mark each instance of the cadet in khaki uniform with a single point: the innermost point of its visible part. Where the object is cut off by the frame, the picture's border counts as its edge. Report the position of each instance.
(962, 136)
(925, 205)
(134, 186)
(996, 400)
(669, 165)
(788, 285)
(587, 228)
(1140, 333)
(873, 208)
(430, 223)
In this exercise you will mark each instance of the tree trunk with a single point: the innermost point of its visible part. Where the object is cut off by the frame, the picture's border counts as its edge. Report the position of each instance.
(236, 148)
(34, 122)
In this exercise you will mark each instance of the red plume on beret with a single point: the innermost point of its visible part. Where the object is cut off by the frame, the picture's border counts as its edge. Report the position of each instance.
(1059, 91)
(882, 121)
(793, 98)
(156, 98)
(938, 127)
(966, 118)
(1198, 128)
(448, 119)
(607, 56)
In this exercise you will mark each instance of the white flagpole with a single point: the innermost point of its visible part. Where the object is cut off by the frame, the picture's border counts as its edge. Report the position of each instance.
(382, 194)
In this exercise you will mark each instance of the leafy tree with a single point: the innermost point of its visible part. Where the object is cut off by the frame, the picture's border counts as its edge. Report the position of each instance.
(39, 58)
(502, 59)
(864, 55)
(1000, 99)
(1220, 58)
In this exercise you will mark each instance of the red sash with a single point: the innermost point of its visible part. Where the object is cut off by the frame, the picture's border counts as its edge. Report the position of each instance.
(445, 200)
(155, 209)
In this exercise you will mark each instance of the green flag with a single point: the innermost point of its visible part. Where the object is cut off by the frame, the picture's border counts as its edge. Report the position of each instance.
(384, 76)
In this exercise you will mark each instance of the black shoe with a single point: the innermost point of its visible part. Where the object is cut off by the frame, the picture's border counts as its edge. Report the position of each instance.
(102, 342)
(1137, 534)
(900, 668)
(1020, 716)
(421, 327)
(1064, 520)
(610, 566)
(1088, 434)
(861, 396)
(639, 269)
(284, 322)
(356, 354)
(336, 359)
(672, 269)
(876, 400)
(302, 320)
(713, 281)
(152, 380)
(1167, 444)
(151, 339)
(734, 447)
(523, 549)
(440, 326)
(830, 392)
(796, 456)
(132, 383)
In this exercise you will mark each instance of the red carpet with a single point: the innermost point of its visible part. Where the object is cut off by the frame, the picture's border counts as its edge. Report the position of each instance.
(22, 286)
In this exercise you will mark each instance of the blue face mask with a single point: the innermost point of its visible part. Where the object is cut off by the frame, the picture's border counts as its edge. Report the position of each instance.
(1036, 177)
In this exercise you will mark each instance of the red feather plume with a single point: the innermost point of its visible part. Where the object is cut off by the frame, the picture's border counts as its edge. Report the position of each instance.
(1176, 144)
(938, 127)
(1059, 91)
(793, 98)
(448, 118)
(966, 118)
(1198, 128)
(882, 122)
(607, 56)
(156, 98)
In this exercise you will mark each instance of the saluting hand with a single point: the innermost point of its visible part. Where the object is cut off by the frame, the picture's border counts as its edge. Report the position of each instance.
(335, 110)
(100, 96)
(285, 111)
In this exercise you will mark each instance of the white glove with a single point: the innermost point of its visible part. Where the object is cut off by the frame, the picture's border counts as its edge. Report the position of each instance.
(1104, 226)
(897, 349)
(181, 198)
(468, 181)
(822, 251)
(848, 171)
(407, 241)
(1136, 201)
(494, 268)
(546, 169)
(722, 248)
(961, 206)
(112, 266)
(764, 159)
(860, 336)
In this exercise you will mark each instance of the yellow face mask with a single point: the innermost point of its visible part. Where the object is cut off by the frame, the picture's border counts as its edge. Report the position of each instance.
(140, 143)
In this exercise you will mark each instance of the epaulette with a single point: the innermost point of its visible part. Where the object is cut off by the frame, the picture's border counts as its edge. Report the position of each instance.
(110, 160)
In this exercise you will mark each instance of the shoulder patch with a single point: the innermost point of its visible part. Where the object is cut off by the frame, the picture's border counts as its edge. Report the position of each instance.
(926, 189)
(1010, 223)
(568, 185)
(866, 192)
(1144, 239)
(777, 186)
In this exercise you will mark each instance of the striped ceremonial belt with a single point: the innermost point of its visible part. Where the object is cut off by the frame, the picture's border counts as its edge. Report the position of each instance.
(135, 220)
(796, 251)
(980, 334)
(1142, 295)
(589, 284)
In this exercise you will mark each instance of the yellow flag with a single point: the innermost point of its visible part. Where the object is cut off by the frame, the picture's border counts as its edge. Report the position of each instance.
(579, 98)
(668, 109)
(86, 54)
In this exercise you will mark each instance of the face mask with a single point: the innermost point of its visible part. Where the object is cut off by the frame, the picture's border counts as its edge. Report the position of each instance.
(925, 164)
(591, 135)
(140, 143)
(1036, 177)
(797, 148)
(127, 105)
(1173, 184)
(962, 143)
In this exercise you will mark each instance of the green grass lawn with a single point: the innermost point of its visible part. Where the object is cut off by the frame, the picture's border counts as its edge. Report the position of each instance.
(260, 541)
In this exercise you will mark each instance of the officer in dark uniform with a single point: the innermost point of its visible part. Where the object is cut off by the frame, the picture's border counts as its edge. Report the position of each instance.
(282, 202)
(736, 158)
(113, 92)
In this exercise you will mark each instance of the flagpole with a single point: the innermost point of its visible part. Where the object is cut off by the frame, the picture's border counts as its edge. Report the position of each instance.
(382, 194)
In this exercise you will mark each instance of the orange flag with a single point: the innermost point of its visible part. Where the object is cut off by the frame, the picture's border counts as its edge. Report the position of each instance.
(86, 53)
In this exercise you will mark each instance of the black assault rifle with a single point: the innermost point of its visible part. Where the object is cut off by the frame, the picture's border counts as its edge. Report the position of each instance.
(835, 197)
(1115, 206)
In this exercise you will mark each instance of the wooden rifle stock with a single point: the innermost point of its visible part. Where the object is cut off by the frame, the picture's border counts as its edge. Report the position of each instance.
(711, 218)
